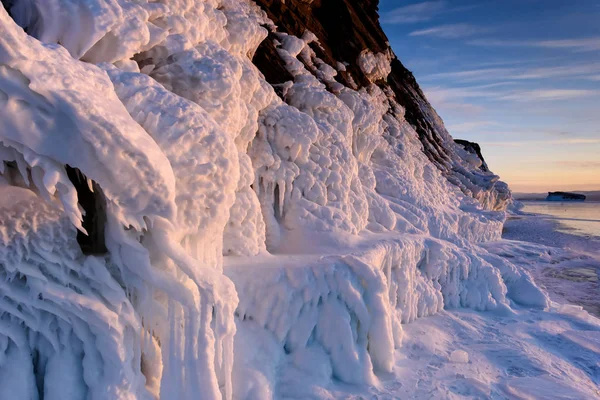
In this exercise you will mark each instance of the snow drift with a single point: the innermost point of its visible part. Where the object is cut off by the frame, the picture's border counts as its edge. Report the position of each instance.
(306, 216)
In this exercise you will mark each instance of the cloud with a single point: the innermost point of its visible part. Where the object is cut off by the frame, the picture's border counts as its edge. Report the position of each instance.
(451, 31)
(574, 141)
(460, 108)
(466, 127)
(578, 45)
(560, 133)
(495, 129)
(585, 71)
(472, 74)
(548, 94)
(451, 100)
(588, 44)
(440, 95)
(419, 12)
(558, 71)
(589, 164)
(517, 61)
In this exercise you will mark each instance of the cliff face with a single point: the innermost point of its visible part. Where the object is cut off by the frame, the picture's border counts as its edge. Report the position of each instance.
(344, 29)
(348, 31)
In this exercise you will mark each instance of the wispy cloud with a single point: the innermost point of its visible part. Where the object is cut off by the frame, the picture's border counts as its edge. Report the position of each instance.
(443, 96)
(578, 45)
(548, 94)
(586, 71)
(451, 31)
(496, 129)
(464, 109)
(469, 126)
(442, 93)
(455, 100)
(558, 71)
(559, 133)
(587, 44)
(520, 143)
(461, 99)
(471, 74)
(419, 12)
(506, 62)
(589, 164)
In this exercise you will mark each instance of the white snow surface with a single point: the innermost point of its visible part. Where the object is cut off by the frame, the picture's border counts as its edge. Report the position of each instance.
(259, 246)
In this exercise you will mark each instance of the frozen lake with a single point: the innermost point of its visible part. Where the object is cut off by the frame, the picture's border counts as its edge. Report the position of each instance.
(572, 273)
(573, 217)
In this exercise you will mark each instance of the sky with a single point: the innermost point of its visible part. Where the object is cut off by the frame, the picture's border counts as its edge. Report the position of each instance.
(519, 77)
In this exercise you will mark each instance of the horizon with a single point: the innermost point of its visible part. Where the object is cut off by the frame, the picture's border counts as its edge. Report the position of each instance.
(521, 78)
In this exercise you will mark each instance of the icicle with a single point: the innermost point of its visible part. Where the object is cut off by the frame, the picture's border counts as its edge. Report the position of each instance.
(282, 193)
(37, 174)
(22, 167)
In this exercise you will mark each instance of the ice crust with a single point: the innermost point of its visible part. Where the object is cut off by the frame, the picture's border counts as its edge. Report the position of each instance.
(310, 223)
(375, 66)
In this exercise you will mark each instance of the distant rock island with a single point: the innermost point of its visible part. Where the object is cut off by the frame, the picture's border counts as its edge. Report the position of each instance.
(590, 195)
(565, 196)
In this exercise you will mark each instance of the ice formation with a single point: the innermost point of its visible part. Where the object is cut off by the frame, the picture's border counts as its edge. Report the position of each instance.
(375, 66)
(459, 356)
(304, 218)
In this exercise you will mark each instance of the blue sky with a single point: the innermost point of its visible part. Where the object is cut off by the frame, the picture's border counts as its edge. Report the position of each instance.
(520, 77)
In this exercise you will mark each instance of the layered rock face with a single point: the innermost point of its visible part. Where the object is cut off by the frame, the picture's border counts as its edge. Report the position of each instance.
(263, 188)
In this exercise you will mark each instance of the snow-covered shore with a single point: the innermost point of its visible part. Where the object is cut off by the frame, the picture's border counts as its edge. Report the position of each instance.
(569, 266)
(508, 353)
(523, 354)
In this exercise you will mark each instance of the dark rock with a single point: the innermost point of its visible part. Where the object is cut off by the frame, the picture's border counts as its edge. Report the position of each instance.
(473, 148)
(274, 72)
(344, 29)
(565, 196)
(94, 220)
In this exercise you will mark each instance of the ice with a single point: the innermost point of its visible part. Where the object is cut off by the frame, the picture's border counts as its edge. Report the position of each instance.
(459, 356)
(375, 66)
(260, 244)
(47, 114)
(58, 305)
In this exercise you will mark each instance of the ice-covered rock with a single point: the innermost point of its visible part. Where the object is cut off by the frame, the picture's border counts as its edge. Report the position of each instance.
(259, 177)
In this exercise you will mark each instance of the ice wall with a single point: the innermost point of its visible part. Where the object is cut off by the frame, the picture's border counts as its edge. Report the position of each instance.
(304, 214)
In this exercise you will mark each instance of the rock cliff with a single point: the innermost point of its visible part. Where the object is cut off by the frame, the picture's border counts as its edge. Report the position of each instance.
(348, 32)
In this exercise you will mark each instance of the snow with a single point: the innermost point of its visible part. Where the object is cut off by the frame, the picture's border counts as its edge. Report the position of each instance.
(47, 114)
(259, 246)
(528, 355)
(375, 66)
(566, 264)
(459, 356)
